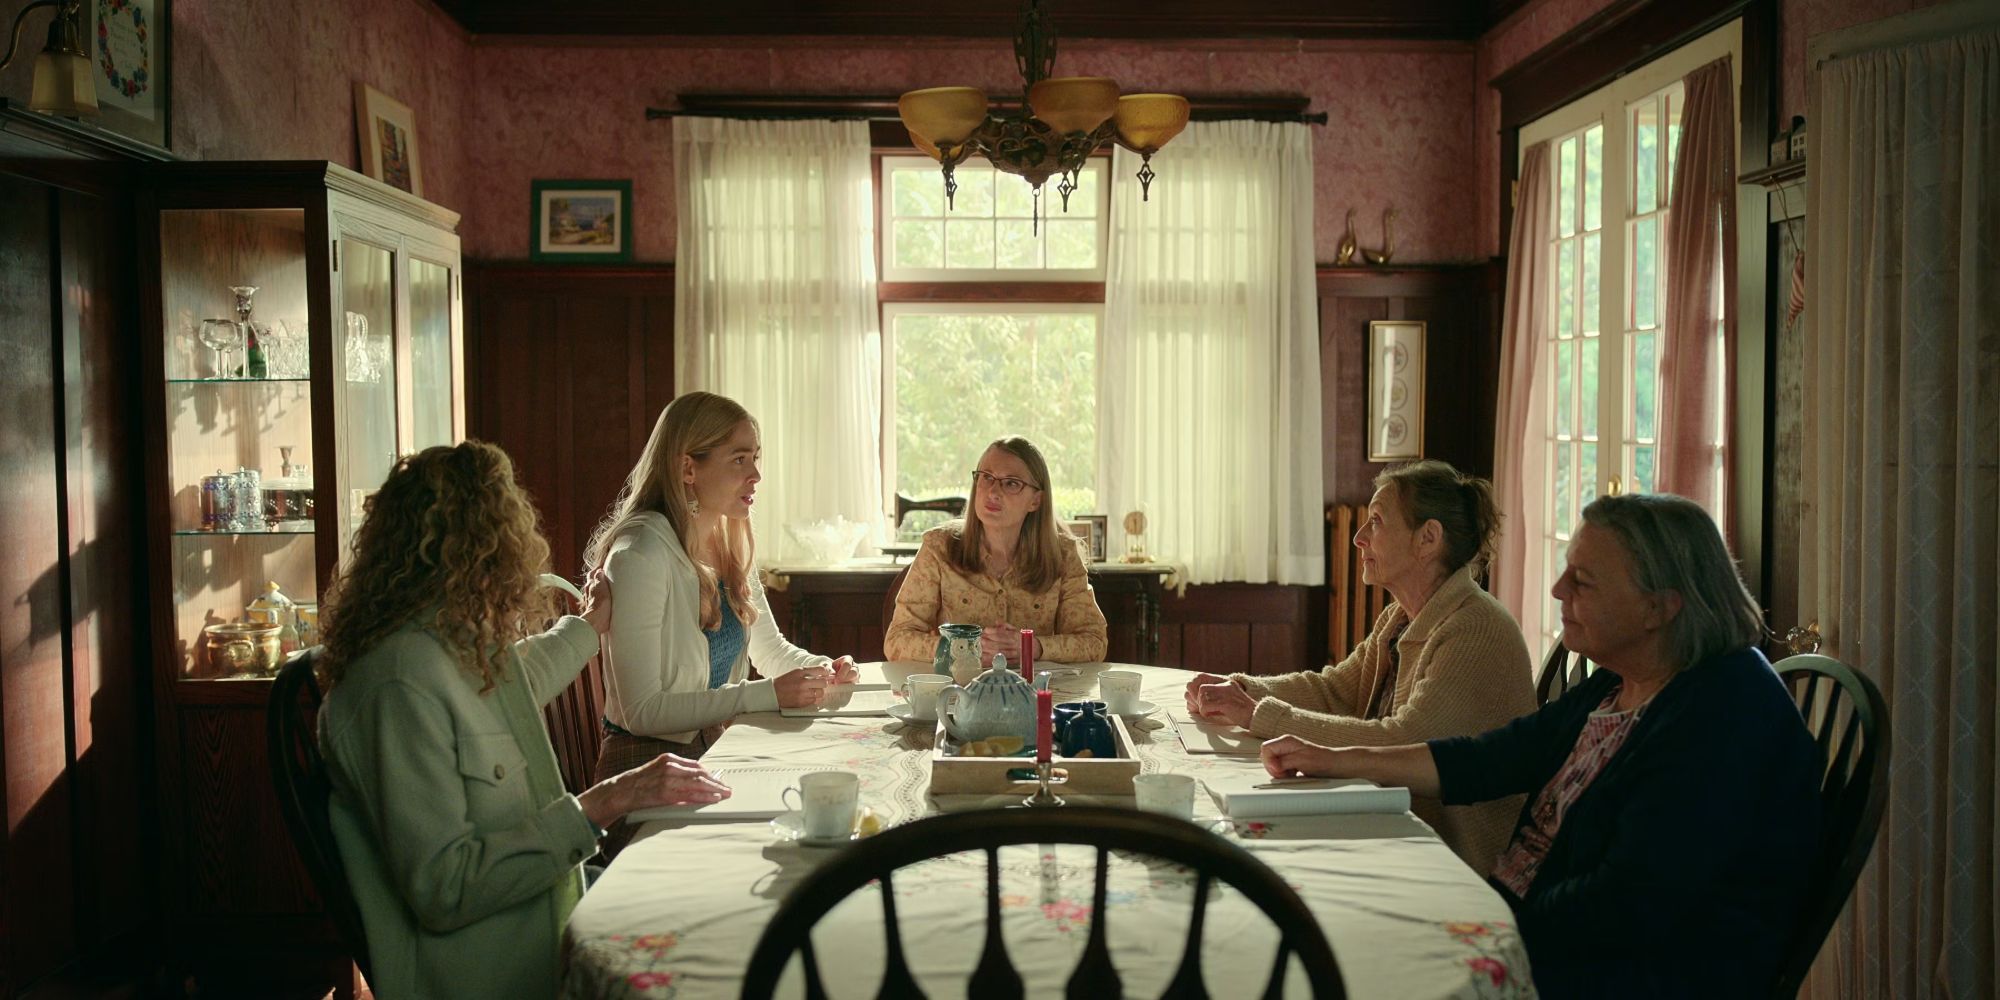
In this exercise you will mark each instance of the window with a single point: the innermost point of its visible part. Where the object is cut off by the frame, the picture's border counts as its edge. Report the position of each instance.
(1612, 156)
(994, 228)
(979, 340)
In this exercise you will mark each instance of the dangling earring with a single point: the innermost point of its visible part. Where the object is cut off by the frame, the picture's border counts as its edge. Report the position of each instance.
(694, 505)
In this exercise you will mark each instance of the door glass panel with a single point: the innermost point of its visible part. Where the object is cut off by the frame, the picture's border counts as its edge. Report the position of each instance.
(430, 353)
(367, 383)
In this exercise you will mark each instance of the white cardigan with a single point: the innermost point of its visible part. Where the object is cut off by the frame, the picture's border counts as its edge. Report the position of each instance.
(656, 678)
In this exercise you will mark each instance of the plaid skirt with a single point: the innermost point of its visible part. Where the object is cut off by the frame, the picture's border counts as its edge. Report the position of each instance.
(618, 753)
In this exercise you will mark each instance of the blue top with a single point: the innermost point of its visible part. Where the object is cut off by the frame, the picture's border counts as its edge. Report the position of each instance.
(1681, 871)
(725, 643)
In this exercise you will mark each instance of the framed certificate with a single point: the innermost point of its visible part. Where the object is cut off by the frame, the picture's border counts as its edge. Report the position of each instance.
(128, 66)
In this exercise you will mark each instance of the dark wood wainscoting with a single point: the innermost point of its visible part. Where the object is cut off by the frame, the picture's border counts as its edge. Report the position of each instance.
(567, 368)
(78, 857)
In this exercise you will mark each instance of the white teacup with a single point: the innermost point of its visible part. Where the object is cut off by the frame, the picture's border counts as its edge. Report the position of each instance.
(827, 802)
(1120, 690)
(1172, 794)
(922, 691)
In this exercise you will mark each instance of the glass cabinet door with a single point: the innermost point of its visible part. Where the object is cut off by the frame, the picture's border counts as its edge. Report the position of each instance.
(238, 426)
(365, 391)
(431, 352)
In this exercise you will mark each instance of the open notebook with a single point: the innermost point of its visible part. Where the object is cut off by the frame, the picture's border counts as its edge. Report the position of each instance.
(756, 792)
(850, 699)
(1247, 797)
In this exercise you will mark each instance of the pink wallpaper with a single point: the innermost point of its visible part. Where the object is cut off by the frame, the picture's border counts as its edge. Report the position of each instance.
(1399, 133)
(1542, 21)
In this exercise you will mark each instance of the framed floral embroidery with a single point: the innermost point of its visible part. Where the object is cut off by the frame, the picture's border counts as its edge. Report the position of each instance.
(129, 54)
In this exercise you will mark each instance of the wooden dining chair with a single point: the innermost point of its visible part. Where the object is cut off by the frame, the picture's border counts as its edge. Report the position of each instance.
(1107, 829)
(1561, 670)
(889, 600)
(304, 791)
(1849, 720)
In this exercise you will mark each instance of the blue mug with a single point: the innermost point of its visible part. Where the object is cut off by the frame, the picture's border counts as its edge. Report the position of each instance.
(1082, 726)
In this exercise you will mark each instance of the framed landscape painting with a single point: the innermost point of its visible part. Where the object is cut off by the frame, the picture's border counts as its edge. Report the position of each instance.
(581, 221)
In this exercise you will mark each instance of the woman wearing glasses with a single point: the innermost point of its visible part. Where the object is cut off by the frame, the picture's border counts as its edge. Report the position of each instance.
(1007, 566)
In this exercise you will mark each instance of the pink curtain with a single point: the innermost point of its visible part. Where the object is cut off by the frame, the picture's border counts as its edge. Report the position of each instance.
(1519, 479)
(1701, 235)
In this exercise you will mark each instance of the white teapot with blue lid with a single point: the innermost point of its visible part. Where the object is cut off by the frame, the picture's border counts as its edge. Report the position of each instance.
(998, 702)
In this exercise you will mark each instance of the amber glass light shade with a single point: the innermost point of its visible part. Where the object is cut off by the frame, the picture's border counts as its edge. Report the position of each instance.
(62, 85)
(1073, 103)
(1146, 121)
(943, 116)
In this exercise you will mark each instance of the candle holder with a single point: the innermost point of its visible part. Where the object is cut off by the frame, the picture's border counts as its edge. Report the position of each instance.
(1042, 796)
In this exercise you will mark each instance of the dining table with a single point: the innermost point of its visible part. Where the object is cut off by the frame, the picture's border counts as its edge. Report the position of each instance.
(678, 912)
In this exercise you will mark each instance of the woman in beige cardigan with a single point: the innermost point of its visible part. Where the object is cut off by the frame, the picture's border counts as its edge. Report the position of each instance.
(1444, 659)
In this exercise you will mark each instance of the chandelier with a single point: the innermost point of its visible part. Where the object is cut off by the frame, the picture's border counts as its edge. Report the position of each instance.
(1061, 122)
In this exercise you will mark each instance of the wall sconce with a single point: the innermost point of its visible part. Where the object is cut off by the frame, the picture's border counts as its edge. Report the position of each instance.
(62, 69)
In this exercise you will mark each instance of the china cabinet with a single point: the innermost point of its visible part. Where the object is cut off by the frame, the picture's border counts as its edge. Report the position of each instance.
(300, 329)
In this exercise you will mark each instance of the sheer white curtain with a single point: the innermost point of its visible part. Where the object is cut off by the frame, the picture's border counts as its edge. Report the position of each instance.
(775, 306)
(1902, 511)
(1519, 453)
(1209, 379)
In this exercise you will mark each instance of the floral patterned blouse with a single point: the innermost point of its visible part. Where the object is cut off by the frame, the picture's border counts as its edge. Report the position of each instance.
(1065, 616)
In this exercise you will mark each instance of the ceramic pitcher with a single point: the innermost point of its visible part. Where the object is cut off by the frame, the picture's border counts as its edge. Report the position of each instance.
(957, 653)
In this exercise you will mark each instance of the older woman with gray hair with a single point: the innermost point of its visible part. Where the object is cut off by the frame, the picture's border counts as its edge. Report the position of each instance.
(1672, 795)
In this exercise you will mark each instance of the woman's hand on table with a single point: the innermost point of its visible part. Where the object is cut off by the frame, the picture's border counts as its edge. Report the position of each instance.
(1003, 639)
(1291, 757)
(844, 670)
(666, 780)
(1219, 699)
(802, 687)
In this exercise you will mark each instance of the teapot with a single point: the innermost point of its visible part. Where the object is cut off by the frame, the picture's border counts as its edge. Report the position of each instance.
(957, 653)
(999, 702)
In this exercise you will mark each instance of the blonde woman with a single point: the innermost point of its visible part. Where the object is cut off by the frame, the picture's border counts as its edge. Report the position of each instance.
(463, 850)
(1007, 566)
(680, 556)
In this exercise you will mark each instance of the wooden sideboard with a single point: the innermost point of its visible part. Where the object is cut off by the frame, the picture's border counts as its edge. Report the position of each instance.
(838, 610)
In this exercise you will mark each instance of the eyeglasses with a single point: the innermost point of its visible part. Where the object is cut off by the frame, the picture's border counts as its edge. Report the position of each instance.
(1008, 485)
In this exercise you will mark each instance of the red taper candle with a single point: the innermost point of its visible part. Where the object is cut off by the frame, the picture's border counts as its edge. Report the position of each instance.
(1028, 654)
(1045, 714)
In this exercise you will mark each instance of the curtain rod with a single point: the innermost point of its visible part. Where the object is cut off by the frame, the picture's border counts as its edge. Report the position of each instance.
(845, 107)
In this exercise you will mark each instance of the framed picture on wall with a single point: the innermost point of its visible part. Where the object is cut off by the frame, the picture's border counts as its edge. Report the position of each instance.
(581, 220)
(388, 134)
(1395, 390)
(128, 47)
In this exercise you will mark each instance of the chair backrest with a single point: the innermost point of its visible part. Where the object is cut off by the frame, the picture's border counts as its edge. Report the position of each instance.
(1849, 720)
(1107, 829)
(299, 773)
(575, 728)
(1561, 671)
(889, 600)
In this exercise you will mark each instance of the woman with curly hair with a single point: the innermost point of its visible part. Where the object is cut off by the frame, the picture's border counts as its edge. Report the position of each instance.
(462, 848)
(680, 554)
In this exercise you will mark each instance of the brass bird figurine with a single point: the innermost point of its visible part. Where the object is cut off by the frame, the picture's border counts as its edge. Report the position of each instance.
(1379, 258)
(1344, 254)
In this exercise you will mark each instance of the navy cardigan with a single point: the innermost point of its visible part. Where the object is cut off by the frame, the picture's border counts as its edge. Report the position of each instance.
(1682, 868)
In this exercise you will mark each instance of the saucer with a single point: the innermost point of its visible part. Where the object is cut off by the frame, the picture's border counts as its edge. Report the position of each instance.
(900, 711)
(791, 826)
(1139, 710)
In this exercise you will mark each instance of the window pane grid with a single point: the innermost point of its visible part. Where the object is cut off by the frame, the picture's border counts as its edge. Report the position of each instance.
(992, 227)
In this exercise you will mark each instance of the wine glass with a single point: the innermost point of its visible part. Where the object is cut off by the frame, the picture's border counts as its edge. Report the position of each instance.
(221, 336)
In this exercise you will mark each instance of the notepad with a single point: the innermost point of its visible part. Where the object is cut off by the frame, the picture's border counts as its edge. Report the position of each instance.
(756, 791)
(1209, 737)
(1247, 798)
(849, 699)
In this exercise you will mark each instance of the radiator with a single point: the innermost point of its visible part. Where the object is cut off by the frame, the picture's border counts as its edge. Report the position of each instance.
(1353, 606)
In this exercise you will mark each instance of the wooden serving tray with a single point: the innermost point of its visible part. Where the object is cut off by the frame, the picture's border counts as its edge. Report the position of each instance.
(955, 775)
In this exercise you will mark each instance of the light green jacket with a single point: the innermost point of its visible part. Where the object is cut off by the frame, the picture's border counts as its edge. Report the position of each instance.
(462, 847)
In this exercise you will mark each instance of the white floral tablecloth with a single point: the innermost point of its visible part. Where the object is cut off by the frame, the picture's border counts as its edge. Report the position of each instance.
(679, 912)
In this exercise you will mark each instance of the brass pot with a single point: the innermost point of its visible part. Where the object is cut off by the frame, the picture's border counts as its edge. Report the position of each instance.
(237, 648)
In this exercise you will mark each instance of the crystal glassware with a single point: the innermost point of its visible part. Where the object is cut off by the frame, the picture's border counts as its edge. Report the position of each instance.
(285, 350)
(221, 336)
